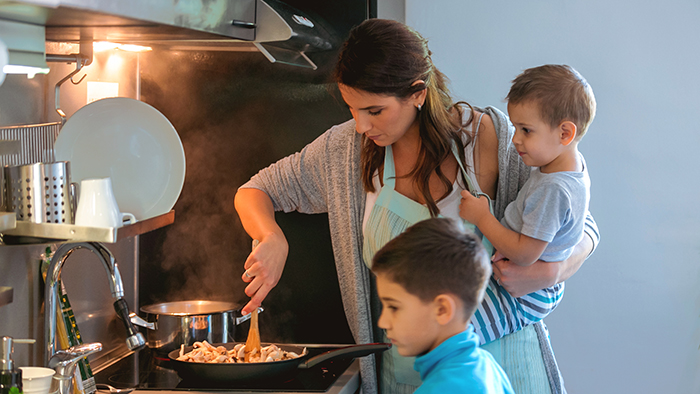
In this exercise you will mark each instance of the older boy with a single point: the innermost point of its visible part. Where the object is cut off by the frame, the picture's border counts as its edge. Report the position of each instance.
(430, 280)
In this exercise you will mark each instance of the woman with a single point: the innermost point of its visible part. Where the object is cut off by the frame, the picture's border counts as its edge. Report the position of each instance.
(405, 156)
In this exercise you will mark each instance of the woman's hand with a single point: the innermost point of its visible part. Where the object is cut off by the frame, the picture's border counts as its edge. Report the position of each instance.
(264, 265)
(519, 281)
(264, 268)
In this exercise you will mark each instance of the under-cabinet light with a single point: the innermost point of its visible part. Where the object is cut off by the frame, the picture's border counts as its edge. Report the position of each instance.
(133, 48)
(102, 46)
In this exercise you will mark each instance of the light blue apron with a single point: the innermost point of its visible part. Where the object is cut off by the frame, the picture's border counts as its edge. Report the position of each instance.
(391, 215)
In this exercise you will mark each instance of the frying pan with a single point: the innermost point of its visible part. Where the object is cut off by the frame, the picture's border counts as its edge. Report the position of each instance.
(237, 372)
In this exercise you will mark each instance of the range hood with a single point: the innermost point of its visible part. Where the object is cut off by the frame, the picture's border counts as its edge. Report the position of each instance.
(282, 33)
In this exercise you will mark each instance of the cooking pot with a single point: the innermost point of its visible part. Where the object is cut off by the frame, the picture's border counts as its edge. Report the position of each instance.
(171, 324)
(215, 373)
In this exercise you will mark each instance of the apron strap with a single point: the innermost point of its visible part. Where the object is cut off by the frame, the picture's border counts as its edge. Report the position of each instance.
(389, 175)
(470, 185)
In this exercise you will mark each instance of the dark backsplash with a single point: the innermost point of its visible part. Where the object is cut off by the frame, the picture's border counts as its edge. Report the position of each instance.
(236, 113)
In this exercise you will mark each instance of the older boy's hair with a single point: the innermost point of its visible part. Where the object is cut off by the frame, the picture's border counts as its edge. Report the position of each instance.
(434, 257)
(560, 92)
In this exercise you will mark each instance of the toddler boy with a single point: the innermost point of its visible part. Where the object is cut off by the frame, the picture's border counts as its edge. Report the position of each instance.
(551, 107)
(430, 280)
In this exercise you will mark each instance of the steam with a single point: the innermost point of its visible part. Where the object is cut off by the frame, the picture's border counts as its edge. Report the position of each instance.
(235, 113)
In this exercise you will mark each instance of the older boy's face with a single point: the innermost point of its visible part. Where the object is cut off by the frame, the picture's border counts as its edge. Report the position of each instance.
(536, 141)
(408, 321)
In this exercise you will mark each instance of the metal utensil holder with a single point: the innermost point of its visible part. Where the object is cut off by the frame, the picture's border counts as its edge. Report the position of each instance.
(40, 192)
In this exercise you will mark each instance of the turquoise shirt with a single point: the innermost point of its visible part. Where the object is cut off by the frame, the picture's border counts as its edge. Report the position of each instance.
(458, 365)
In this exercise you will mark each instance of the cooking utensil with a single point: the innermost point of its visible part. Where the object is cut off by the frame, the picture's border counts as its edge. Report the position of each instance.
(237, 372)
(253, 342)
(41, 192)
(171, 324)
(113, 390)
(132, 143)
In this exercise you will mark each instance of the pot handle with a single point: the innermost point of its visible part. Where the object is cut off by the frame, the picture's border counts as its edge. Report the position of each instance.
(345, 352)
(241, 319)
(136, 319)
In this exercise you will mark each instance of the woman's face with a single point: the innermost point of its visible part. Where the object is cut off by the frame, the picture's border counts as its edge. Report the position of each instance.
(383, 119)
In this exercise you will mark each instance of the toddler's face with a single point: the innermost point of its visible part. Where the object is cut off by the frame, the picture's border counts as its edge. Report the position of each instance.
(409, 322)
(536, 141)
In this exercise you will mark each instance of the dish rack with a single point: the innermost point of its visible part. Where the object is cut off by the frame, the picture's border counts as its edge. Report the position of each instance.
(20, 145)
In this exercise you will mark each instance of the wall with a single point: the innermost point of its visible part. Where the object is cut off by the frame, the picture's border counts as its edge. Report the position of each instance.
(392, 9)
(22, 101)
(629, 321)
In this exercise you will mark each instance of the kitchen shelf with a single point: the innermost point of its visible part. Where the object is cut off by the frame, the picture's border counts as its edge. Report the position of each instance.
(36, 233)
(5, 295)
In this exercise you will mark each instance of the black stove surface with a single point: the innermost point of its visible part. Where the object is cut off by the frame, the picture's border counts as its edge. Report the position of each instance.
(148, 370)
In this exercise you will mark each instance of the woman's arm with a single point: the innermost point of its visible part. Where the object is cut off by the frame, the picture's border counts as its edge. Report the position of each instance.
(265, 264)
(519, 281)
(297, 182)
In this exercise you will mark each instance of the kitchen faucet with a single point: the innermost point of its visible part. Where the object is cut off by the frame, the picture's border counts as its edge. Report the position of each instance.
(64, 363)
(134, 340)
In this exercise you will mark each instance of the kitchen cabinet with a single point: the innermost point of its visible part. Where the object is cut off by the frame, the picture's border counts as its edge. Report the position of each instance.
(135, 20)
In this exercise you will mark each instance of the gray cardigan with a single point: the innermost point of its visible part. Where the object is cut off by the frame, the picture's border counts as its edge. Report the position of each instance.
(325, 177)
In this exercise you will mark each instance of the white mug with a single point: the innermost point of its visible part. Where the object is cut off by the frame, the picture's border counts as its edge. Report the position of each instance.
(97, 206)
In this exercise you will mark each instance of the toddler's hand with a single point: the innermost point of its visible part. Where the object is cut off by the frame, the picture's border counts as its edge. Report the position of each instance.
(473, 209)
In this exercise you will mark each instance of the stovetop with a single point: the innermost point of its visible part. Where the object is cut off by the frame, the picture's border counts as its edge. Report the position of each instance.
(150, 371)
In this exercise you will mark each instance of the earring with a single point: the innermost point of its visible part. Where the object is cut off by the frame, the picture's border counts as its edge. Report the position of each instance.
(419, 107)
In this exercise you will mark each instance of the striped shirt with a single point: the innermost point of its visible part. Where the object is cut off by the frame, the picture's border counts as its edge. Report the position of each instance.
(501, 314)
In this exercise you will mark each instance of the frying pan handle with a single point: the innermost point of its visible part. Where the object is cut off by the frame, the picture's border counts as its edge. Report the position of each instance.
(346, 352)
(240, 319)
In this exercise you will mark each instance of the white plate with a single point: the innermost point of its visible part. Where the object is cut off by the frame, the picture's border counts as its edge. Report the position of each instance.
(132, 143)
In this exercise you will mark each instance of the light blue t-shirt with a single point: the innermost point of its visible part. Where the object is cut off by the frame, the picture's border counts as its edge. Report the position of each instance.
(459, 365)
(552, 207)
